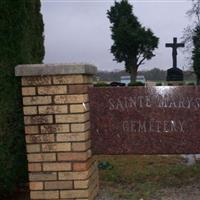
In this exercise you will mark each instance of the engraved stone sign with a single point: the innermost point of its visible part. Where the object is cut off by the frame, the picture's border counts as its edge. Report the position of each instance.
(145, 120)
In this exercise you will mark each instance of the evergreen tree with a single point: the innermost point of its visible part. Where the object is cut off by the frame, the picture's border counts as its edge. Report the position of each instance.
(196, 53)
(21, 42)
(133, 43)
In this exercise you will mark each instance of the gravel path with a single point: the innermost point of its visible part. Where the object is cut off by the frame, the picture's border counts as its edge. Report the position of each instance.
(191, 192)
(184, 193)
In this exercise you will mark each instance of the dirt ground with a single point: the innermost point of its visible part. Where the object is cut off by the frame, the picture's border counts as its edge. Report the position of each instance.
(191, 192)
(145, 178)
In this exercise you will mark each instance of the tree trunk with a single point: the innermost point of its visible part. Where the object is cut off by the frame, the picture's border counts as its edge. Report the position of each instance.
(198, 80)
(133, 73)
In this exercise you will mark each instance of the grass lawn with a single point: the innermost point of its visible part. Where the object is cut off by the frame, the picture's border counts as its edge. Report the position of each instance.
(144, 177)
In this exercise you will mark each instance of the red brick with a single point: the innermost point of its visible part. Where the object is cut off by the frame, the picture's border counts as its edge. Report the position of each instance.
(36, 185)
(34, 167)
(78, 89)
(74, 156)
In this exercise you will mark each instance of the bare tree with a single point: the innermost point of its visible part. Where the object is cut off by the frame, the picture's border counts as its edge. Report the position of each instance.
(195, 11)
(188, 33)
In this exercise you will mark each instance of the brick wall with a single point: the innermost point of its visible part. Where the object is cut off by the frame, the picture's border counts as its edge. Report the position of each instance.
(57, 131)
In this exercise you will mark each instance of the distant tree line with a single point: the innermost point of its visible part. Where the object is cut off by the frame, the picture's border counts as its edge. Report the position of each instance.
(151, 75)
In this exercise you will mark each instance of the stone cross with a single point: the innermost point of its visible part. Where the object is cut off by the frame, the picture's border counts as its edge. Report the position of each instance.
(174, 47)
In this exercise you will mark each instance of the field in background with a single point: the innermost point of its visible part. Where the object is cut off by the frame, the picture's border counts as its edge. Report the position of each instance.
(156, 75)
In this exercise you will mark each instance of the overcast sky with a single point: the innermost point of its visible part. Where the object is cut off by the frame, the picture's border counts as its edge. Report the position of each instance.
(78, 31)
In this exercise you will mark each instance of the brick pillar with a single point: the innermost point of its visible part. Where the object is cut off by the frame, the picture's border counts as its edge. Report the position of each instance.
(57, 130)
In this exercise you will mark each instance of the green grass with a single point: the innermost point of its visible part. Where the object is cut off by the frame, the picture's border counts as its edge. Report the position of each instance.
(137, 177)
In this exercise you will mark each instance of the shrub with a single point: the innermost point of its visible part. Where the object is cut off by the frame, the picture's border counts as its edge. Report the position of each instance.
(101, 84)
(191, 83)
(21, 42)
(158, 84)
(136, 84)
(13, 164)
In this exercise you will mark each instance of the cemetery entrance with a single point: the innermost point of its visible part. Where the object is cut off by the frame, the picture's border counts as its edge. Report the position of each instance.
(67, 122)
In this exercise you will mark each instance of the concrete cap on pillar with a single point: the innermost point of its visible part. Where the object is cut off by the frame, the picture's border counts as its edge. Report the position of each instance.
(54, 69)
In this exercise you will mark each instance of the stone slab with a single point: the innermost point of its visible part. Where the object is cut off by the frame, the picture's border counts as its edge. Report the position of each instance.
(145, 120)
(54, 69)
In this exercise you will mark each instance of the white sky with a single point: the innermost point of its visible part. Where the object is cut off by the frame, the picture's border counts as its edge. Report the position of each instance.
(78, 31)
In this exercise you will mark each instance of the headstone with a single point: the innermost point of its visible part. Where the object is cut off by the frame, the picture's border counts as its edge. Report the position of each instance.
(174, 73)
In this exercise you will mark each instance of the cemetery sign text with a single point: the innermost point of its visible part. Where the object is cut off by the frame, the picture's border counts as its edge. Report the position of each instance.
(145, 120)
